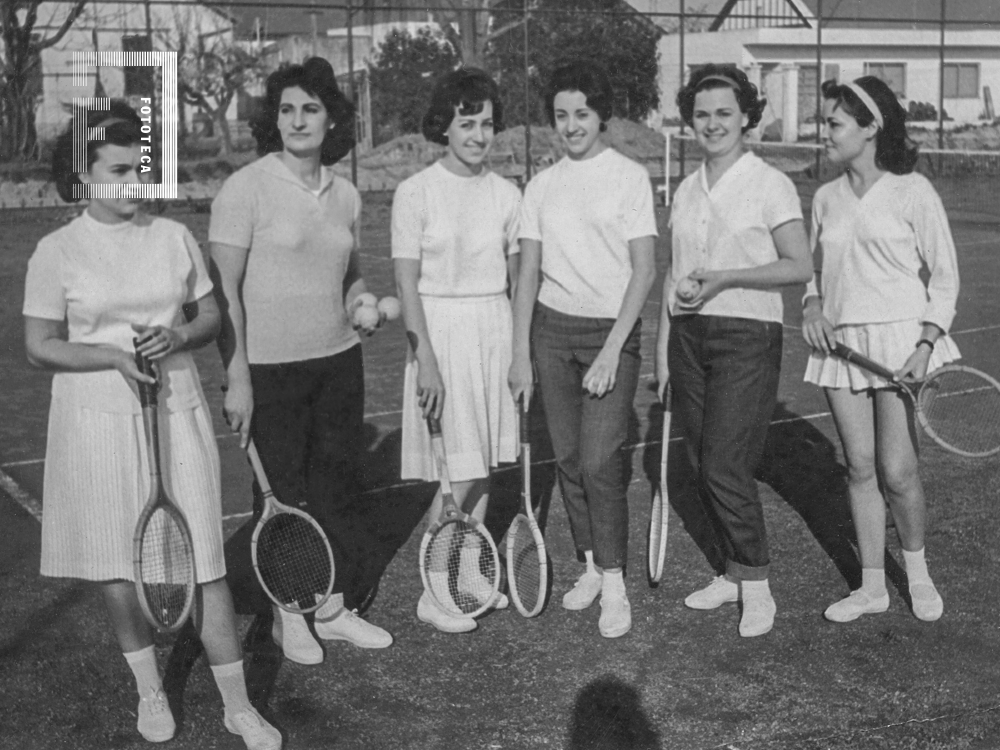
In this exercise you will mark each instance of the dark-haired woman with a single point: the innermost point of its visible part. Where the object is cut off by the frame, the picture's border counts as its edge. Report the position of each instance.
(110, 275)
(876, 226)
(738, 236)
(587, 238)
(454, 249)
(284, 235)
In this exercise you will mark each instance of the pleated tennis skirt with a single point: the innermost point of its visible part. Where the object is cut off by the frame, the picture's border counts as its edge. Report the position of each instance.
(472, 341)
(890, 344)
(97, 483)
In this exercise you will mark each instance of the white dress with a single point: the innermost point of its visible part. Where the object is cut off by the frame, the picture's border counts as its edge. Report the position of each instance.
(888, 267)
(100, 279)
(462, 230)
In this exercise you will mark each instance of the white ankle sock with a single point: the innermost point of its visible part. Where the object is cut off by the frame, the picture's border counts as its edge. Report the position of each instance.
(591, 568)
(916, 566)
(332, 606)
(612, 584)
(232, 686)
(147, 674)
(873, 581)
(755, 589)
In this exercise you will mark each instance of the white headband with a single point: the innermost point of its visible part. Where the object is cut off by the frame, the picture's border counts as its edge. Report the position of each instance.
(867, 100)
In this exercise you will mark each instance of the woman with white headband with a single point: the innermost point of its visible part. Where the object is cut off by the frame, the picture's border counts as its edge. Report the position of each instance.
(738, 236)
(876, 227)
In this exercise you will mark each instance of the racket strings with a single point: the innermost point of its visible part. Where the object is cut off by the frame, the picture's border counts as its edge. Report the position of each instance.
(293, 560)
(166, 568)
(525, 567)
(462, 571)
(963, 410)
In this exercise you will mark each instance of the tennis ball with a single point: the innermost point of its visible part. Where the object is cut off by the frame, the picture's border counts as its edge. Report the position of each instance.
(389, 306)
(366, 317)
(687, 289)
(366, 300)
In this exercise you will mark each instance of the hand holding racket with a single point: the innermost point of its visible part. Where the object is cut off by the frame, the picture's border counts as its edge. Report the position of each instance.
(459, 564)
(291, 554)
(527, 562)
(656, 550)
(162, 551)
(957, 406)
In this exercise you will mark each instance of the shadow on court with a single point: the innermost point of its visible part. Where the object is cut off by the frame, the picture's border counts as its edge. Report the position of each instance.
(608, 715)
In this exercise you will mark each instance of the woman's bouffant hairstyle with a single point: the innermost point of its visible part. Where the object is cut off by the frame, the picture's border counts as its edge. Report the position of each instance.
(711, 77)
(315, 77)
(467, 90)
(894, 151)
(122, 127)
(591, 80)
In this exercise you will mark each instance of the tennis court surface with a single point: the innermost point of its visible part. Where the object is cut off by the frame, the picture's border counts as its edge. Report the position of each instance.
(679, 679)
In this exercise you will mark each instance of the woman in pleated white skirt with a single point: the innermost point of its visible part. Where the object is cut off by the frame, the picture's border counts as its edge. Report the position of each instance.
(454, 249)
(112, 277)
(879, 228)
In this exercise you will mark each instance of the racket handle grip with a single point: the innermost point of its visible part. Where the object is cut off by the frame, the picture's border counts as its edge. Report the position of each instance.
(434, 425)
(147, 392)
(845, 352)
(524, 426)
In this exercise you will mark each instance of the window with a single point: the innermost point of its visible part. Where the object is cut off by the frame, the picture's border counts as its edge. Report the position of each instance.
(831, 72)
(894, 75)
(807, 93)
(138, 80)
(961, 80)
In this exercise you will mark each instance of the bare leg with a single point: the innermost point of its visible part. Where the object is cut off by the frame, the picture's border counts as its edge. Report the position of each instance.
(898, 464)
(130, 627)
(217, 623)
(473, 493)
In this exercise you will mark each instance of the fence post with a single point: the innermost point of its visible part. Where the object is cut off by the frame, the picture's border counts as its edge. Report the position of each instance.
(350, 84)
(527, 100)
(941, 81)
(819, 82)
(681, 78)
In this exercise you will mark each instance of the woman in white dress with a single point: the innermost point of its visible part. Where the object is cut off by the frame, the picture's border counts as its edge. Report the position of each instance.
(876, 227)
(454, 249)
(110, 275)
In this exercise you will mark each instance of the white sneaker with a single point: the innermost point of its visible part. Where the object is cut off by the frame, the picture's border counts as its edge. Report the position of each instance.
(429, 612)
(347, 626)
(758, 616)
(860, 602)
(291, 632)
(616, 616)
(254, 729)
(720, 591)
(927, 603)
(500, 601)
(156, 721)
(584, 591)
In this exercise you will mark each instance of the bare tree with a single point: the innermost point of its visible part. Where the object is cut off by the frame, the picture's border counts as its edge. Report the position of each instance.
(20, 72)
(466, 24)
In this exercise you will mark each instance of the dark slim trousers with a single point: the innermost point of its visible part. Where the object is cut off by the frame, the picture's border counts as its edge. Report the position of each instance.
(724, 373)
(587, 433)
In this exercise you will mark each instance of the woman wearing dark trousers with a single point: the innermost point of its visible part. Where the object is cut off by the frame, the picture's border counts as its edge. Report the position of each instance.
(284, 236)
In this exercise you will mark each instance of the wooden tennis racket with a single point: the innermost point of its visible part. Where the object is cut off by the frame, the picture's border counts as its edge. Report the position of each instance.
(527, 562)
(162, 550)
(291, 553)
(958, 407)
(657, 544)
(459, 564)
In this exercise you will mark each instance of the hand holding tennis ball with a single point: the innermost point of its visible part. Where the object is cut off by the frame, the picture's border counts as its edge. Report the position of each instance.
(389, 306)
(687, 289)
(366, 317)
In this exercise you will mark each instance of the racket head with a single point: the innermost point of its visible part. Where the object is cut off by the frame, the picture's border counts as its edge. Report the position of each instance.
(164, 566)
(527, 566)
(293, 559)
(959, 409)
(460, 566)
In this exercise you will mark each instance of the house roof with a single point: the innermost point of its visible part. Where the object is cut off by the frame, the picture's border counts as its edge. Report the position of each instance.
(960, 14)
(285, 17)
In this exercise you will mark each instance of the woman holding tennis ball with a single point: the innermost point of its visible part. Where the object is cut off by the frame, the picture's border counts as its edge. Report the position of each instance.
(454, 249)
(110, 276)
(284, 235)
(878, 227)
(738, 236)
(588, 230)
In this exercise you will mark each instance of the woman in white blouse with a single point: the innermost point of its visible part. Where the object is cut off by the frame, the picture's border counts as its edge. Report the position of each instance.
(738, 236)
(876, 226)
(454, 249)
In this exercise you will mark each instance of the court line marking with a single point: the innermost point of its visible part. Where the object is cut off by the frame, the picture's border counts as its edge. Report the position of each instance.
(21, 497)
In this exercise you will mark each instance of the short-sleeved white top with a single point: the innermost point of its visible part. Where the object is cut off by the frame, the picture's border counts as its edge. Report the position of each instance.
(585, 213)
(873, 249)
(729, 226)
(461, 229)
(101, 278)
(300, 244)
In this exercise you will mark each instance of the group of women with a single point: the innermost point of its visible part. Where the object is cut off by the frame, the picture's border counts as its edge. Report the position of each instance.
(500, 295)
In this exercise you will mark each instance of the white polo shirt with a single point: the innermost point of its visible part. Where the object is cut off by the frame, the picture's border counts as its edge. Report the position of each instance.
(729, 226)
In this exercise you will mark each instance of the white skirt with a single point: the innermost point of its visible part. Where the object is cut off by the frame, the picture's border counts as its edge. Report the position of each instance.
(889, 344)
(472, 341)
(97, 483)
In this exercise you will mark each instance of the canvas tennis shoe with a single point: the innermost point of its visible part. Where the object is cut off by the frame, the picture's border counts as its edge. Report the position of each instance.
(291, 632)
(860, 602)
(347, 626)
(156, 722)
(584, 591)
(254, 729)
(616, 616)
(429, 612)
(758, 615)
(927, 604)
(720, 591)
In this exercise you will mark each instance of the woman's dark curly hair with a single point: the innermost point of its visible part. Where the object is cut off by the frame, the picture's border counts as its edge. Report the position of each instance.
(122, 127)
(705, 78)
(467, 90)
(894, 151)
(315, 77)
(591, 80)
